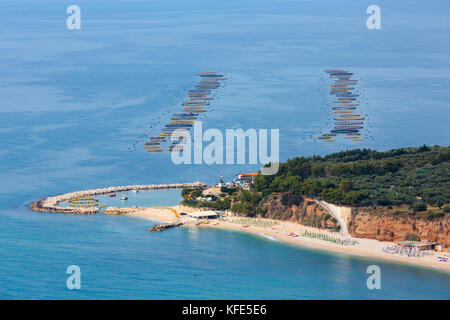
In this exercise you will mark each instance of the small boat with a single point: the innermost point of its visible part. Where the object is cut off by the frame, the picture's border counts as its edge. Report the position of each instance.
(353, 115)
(200, 90)
(195, 110)
(340, 87)
(124, 197)
(347, 117)
(341, 120)
(183, 121)
(209, 82)
(186, 114)
(154, 149)
(194, 103)
(245, 226)
(343, 100)
(176, 148)
(349, 121)
(112, 195)
(201, 98)
(349, 104)
(192, 108)
(328, 134)
(348, 127)
(184, 118)
(205, 73)
(327, 137)
(346, 81)
(348, 124)
(197, 94)
(344, 95)
(341, 111)
(158, 138)
(207, 87)
(344, 130)
(134, 190)
(341, 107)
(215, 76)
(333, 70)
(341, 73)
(152, 143)
(178, 125)
(339, 91)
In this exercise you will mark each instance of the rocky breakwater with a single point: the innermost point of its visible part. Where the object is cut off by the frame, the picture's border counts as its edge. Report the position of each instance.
(120, 211)
(164, 226)
(41, 205)
(51, 204)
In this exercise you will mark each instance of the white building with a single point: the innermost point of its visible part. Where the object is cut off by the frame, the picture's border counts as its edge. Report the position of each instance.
(203, 215)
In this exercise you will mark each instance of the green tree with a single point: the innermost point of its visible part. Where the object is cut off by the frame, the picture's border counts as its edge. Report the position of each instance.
(419, 206)
(345, 186)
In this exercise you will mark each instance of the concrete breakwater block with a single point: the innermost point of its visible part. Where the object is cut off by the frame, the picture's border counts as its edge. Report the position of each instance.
(120, 211)
(164, 226)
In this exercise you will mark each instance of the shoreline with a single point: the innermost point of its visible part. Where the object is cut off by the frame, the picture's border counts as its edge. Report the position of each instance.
(367, 248)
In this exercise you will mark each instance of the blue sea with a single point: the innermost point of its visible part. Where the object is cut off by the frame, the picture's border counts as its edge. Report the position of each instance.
(75, 105)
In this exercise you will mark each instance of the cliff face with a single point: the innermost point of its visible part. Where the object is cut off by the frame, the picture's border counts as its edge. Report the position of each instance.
(362, 222)
(385, 227)
(308, 213)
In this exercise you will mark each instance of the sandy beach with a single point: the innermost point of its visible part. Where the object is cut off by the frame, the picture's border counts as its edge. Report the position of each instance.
(366, 247)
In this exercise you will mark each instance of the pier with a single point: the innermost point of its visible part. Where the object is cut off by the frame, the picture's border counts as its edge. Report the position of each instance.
(50, 204)
(163, 226)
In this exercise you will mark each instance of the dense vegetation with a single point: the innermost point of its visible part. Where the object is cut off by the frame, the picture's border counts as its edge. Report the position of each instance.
(191, 199)
(367, 178)
(410, 179)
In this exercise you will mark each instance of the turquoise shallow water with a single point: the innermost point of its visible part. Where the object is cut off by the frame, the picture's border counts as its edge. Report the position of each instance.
(120, 260)
(73, 102)
(152, 198)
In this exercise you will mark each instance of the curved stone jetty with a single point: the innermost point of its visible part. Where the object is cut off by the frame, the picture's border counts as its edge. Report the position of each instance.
(50, 204)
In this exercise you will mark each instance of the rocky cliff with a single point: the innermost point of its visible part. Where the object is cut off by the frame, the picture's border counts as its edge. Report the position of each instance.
(386, 227)
(308, 213)
(378, 224)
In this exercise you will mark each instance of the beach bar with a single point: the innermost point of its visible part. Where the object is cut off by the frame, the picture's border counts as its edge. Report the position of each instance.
(422, 245)
(203, 215)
